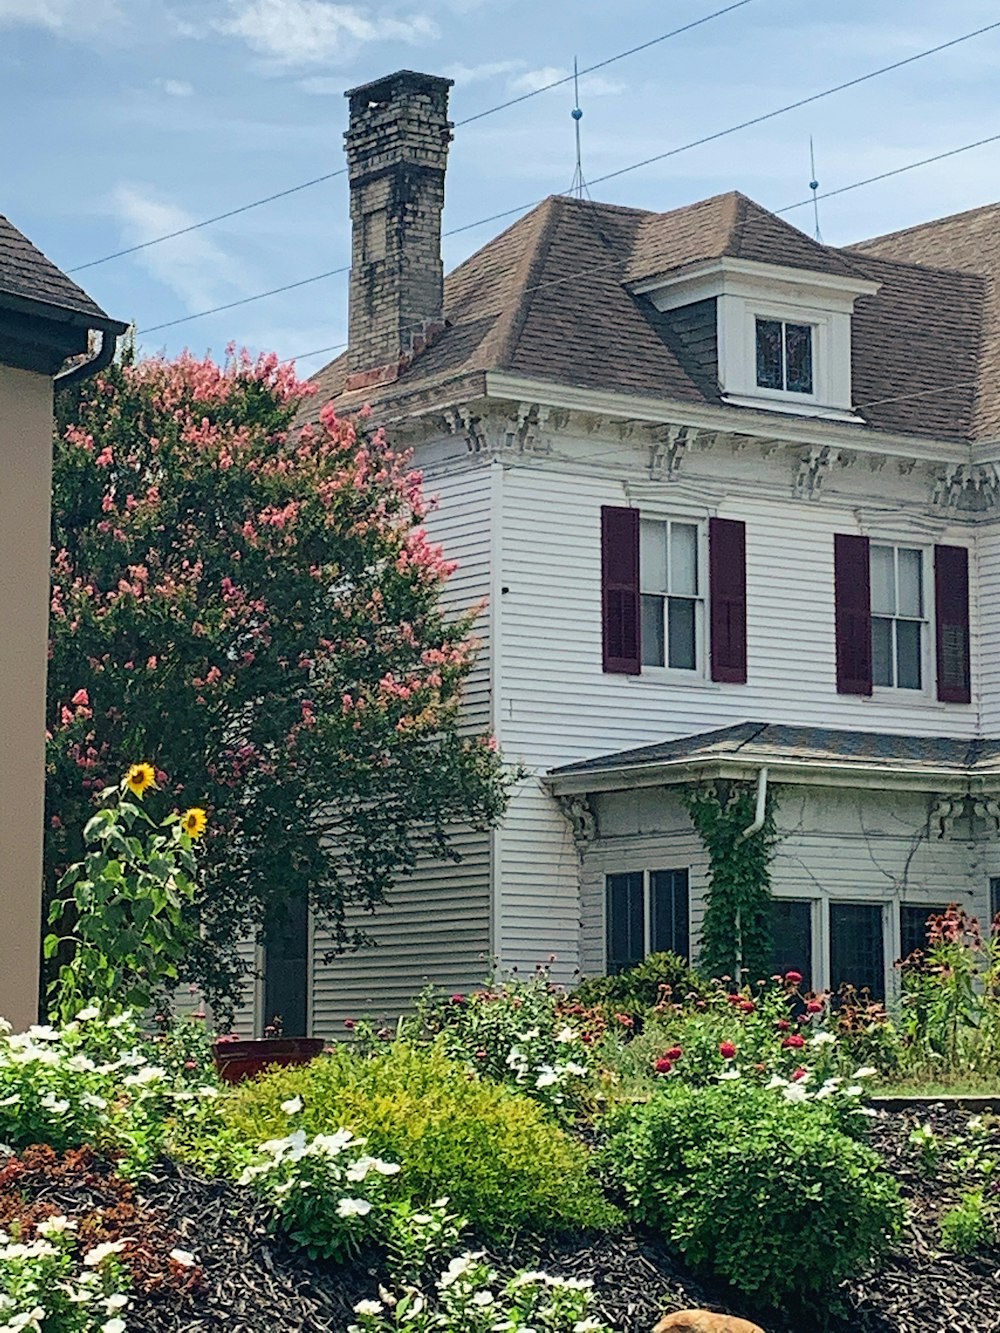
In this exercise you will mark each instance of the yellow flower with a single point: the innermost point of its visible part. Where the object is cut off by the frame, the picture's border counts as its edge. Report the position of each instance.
(193, 821)
(140, 778)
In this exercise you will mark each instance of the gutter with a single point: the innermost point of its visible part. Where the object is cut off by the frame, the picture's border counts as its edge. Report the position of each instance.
(92, 366)
(758, 819)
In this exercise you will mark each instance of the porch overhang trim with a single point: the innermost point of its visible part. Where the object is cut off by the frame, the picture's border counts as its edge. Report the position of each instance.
(799, 772)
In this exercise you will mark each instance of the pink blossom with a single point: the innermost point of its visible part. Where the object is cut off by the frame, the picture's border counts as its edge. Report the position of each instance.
(105, 458)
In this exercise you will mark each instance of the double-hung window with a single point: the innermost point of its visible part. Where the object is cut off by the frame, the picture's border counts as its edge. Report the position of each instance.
(897, 602)
(646, 911)
(784, 353)
(672, 599)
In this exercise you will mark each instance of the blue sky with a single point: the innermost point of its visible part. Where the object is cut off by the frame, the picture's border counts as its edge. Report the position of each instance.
(124, 119)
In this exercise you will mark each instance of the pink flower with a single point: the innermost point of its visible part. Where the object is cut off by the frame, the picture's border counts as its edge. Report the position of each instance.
(151, 664)
(105, 458)
(799, 1074)
(458, 999)
(794, 1041)
(748, 1006)
(793, 978)
(814, 1007)
(81, 699)
(727, 1050)
(674, 1053)
(350, 1024)
(782, 1025)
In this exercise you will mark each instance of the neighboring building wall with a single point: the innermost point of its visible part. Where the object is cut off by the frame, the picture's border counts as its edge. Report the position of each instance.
(436, 926)
(25, 487)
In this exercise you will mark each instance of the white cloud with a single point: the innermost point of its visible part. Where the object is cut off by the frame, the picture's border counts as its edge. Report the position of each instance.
(192, 266)
(310, 32)
(534, 80)
(464, 74)
(175, 87)
(68, 17)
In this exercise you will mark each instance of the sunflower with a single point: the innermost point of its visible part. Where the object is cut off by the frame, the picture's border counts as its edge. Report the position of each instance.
(140, 778)
(194, 821)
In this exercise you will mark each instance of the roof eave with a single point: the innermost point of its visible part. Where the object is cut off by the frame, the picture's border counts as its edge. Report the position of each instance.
(54, 313)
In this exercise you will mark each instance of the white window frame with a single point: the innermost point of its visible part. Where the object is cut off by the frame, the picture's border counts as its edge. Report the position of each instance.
(901, 693)
(700, 670)
(647, 905)
(808, 396)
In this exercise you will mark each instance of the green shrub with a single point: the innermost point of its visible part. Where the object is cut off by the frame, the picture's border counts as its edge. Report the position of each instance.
(763, 1192)
(966, 1226)
(638, 989)
(493, 1152)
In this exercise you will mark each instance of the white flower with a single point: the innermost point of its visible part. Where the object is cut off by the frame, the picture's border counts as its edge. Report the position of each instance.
(43, 1032)
(572, 1067)
(822, 1039)
(101, 1252)
(571, 1283)
(183, 1257)
(28, 1319)
(91, 1099)
(866, 1072)
(85, 1015)
(567, 1034)
(855, 1090)
(353, 1208)
(728, 1074)
(56, 1105)
(12, 1100)
(151, 1074)
(777, 1082)
(119, 1020)
(547, 1077)
(527, 1279)
(293, 1106)
(80, 1064)
(331, 1145)
(483, 1298)
(588, 1325)
(55, 1226)
(795, 1092)
(114, 1325)
(458, 1267)
(116, 1301)
(368, 1307)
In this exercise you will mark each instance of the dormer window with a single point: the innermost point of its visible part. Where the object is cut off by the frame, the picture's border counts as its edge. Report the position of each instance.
(784, 356)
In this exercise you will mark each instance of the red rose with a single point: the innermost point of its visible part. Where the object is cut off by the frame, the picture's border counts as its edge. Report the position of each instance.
(793, 978)
(814, 1007)
(748, 1006)
(674, 1053)
(458, 999)
(733, 999)
(800, 1073)
(782, 1025)
(794, 1042)
(727, 1050)
(350, 1024)
(663, 1065)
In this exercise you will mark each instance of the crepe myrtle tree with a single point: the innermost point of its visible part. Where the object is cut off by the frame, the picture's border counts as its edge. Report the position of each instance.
(254, 607)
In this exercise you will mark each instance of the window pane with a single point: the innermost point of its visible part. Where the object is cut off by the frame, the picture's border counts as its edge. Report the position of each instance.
(769, 354)
(625, 934)
(652, 556)
(881, 652)
(652, 630)
(798, 358)
(680, 629)
(856, 952)
(910, 579)
(908, 654)
(913, 926)
(883, 581)
(668, 891)
(994, 897)
(791, 938)
(684, 558)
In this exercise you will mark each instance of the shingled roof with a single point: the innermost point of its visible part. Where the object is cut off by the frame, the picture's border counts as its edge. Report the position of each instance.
(26, 274)
(551, 299)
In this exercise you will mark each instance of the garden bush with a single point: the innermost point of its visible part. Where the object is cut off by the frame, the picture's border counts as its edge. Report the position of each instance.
(504, 1166)
(760, 1190)
(661, 976)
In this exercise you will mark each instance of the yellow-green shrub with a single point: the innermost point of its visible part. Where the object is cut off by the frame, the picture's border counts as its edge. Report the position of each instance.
(503, 1164)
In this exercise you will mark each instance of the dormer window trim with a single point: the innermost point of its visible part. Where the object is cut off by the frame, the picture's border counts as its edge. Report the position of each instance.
(746, 291)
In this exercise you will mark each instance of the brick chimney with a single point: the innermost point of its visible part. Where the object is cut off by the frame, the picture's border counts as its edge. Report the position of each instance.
(397, 151)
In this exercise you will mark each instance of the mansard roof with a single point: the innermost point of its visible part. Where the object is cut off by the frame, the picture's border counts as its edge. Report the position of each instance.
(552, 299)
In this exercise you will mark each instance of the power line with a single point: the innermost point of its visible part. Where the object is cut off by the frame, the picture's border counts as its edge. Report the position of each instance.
(672, 152)
(245, 300)
(342, 171)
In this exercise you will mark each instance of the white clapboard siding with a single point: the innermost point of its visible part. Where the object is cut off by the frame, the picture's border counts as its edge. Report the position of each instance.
(557, 706)
(436, 925)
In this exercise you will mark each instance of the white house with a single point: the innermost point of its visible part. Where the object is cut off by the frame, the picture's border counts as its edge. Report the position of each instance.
(732, 496)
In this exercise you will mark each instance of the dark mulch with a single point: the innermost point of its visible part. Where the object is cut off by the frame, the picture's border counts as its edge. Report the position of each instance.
(254, 1282)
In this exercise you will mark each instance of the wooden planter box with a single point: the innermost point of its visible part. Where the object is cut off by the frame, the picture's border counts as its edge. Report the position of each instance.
(248, 1057)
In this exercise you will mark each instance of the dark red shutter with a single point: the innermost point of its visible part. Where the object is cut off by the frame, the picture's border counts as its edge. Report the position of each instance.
(620, 589)
(727, 599)
(951, 614)
(852, 595)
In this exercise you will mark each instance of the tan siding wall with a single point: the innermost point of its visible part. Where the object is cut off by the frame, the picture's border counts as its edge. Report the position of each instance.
(25, 488)
(436, 925)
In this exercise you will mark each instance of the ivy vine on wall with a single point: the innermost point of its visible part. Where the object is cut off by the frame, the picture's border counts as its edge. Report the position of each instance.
(736, 929)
